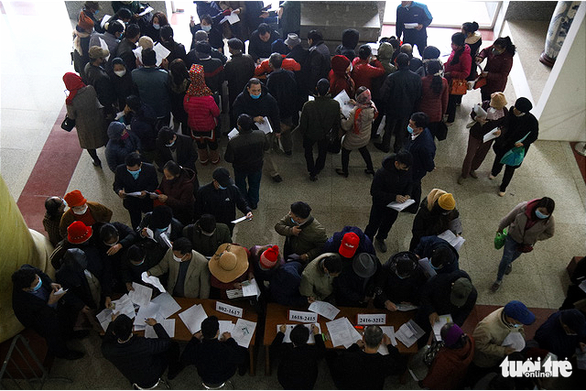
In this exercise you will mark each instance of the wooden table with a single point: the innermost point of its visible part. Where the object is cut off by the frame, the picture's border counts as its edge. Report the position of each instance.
(279, 314)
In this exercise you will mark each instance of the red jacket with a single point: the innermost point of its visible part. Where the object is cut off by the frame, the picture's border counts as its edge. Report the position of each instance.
(449, 367)
(432, 104)
(461, 70)
(498, 68)
(201, 111)
(363, 72)
(337, 84)
(288, 63)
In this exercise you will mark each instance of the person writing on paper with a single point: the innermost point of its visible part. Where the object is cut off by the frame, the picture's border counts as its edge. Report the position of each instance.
(391, 183)
(134, 176)
(348, 242)
(449, 367)
(260, 42)
(491, 332)
(136, 262)
(563, 333)
(496, 113)
(141, 360)
(442, 256)
(40, 304)
(354, 287)
(298, 364)
(177, 191)
(188, 271)
(304, 235)
(229, 268)
(399, 282)
(160, 226)
(437, 214)
(266, 261)
(361, 367)
(80, 209)
(207, 234)
(528, 223)
(318, 277)
(220, 198)
(216, 357)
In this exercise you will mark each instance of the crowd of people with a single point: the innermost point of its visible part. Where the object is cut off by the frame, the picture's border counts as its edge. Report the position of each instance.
(159, 117)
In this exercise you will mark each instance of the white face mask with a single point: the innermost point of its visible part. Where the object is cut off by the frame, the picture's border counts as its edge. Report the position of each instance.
(208, 233)
(177, 259)
(79, 211)
(120, 73)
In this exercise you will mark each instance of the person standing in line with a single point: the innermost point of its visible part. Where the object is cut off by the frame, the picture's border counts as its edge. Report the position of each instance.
(412, 21)
(238, 71)
(434, 97)
(499, 62)
(457, 67)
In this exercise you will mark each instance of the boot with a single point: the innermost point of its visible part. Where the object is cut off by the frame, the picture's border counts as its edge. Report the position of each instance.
(203, 156)
(214, 156)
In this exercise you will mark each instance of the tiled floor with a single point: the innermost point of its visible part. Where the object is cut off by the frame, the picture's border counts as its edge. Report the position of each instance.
(32, 104)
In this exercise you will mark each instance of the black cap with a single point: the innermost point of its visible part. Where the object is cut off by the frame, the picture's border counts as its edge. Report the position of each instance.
(222, 175)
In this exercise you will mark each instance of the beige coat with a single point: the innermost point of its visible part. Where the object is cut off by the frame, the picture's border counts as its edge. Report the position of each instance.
(197, 279)
(516, 220)
(310, 240)
(489, 335)
(314, 281)
(352, 140)
(89, 119)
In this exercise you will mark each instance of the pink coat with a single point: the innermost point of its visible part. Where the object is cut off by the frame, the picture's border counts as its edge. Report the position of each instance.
(461, 70)
(201, 111)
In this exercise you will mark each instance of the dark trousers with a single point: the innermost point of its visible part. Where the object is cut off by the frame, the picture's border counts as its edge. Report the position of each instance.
(381, 219)
(452, 100)
(475, 154)
(497, 166)
(398, 127)
(365, 155)
(314, 167)
(420, 42)
(137, 206)
(415, 195)
(252, 193)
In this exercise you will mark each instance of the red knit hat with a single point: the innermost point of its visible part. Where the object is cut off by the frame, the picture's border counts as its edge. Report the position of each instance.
(74, 198)
(78, 232)
(268, 258)
(349, 245)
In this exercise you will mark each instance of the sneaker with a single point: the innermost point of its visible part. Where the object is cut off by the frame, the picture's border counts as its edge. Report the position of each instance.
(502, 193)
(495, 286)
(461, 180)
(381, 245)
(381, 147)
(491, 177)
(509, 269)
(277, 179)
(341, 172)
(473, 174)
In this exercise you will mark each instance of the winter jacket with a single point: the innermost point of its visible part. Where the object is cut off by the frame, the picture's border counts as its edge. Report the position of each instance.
(117, 149)
(514, 129)
(238, 71)
(363, 72)
(390, 287)
(214, 35)
(111, 41)
(284, 285)
(177, 51)
(319, 117)
(449, 367)
(318, 62)
(429, 221)
(385, 53)
(478, 130)
(265, 106)
(122, 88)
(402, 91)
(216, 361)
(257, 48)
(552, 336)
(180, 194)
(99, 212)
(350, 289)
(498, 68)
(143, 124)
(432, 104)
(213, 70)
(97, 77)
(314, 281)
(153, 87)
(202, 112)
(333, 244)
(197, 278)
(388, 182)
(414, 13)
(191, 57)
(288, 63)
(350, 38)
(300, 54)
(283, 87)
(353, 140)
(423, 151)
(220, 203)
(125, 52)
(184, 149)
(516, 221)
(207, 245)
(461, 70)
(246, 151)
(428, 244)
(310, 240)
(147, 179)
(474, 41)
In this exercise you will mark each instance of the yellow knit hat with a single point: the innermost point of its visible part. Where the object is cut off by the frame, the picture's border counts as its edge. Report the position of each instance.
(447, 201)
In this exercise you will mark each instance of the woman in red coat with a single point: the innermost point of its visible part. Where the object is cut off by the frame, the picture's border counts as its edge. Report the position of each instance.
(457, 67)
(434, 95)
(499, 61)
(340, 77)
(202, 112)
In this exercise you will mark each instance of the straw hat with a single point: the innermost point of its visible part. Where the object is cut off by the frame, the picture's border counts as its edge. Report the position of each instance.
(229, 262)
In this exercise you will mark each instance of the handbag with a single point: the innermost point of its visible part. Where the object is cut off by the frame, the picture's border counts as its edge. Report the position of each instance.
(480, 82)
(441, 131)
(458, 87)
(334, 142)
(515, 156)
(68, 124)
(499, 239)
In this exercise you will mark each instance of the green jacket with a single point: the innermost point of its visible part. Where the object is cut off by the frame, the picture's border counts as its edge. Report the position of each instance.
(207, 245)
(318, 117)
(310, 240)
(314, 282)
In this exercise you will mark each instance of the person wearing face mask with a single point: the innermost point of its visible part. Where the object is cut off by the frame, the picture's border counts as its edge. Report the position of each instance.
(490, 333)
(211, 25)
(519, 131)
(136, 261)
(206, 234)
(96, 76)
(391, 183)
(562, 333)
(127, 45)
(220, 198)
(39, 304)
(160, 226)
(176, 147)
(528, 223)
(54, 208)
(437, 213)
(499, 61)
(318, 277)
(153, 29)
(399, 282)
(177, 191)
(188, 271)
(115, 239)
(136, 178)
(122, 143)
(122, 82)
(457, 67)
(441, 254)
(80, 209)
(112, 37)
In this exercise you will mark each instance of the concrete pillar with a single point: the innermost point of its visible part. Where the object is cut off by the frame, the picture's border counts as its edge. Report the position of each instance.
(561, 110)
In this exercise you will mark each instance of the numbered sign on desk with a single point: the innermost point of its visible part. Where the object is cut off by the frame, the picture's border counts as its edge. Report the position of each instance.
(370, 319)
(303, 316)
(229, 309)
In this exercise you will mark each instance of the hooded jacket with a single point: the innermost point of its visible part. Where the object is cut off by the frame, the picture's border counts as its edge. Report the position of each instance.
(449, 367)
(516, 221)
(385, 53)
(117, 149)
(265, 106)
(389, 182)
(428, 244)
(350, 39)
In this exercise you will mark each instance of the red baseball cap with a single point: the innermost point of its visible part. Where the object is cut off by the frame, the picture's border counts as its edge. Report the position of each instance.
(349, 245)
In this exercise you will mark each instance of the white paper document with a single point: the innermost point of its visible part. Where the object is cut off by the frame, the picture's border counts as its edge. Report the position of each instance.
(344, 101)
(390, 331)
(409, 333)
(400, 206)
(225, 326)
(410, 26)
(243, 332)
(104, 20)
(104, 46)
(146, 11)
(406, 307)
(124, 306)
(240, 219)
(138, 52)
(168, 304)
(234, 293)
(324, 309)
(342, 333)
(192, 317)
(425, 264)
(148, 311)
(290, 327)
(233, 133)
(437, 326)
(154, 281)
(162, 53)
(310, 98)
(582, 285)
(141, 295)
(104, 317)
(232, 18)
(250, 288)
(490, 135)
(265, 127)
(168, 325)
(450, 237)
(514, 340)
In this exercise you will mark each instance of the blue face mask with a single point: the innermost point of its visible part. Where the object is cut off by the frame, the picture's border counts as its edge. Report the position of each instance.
(255, 96)
(409, 129)
(540, 215)
(162, 229)
(206, 28)
(39, 285)
(435, 267)
(134, 174)
(293, 221)
(138, 264)
(170, 144)
(221, 187)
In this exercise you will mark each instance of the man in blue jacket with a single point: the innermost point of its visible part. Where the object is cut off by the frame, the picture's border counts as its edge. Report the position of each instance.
(412, 21)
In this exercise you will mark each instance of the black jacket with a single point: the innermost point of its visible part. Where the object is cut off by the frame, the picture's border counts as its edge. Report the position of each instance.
(141, 360)
(350, 289)
(143, 125)
(220, 203)
(283, 87)
(390, 287)
(147, 179)
(238, 71)
(124, 50)
(246, 151)
(186, 153)
(265, 106)
(514, 129)
(435, 297)
(423, 151)
(97, 77)
(389, 182)
(428, 244)
(177, 51)
(213, 70)
(259, 49)
(318, 63)
(430, 223)
(401, 91)
(298, 367)
(216, 361)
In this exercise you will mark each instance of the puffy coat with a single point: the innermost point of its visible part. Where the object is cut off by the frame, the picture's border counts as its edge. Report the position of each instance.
(432, 104)
(202, 112)
(498, 68)
(461, 70)
(364, 72)
(117, 149)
